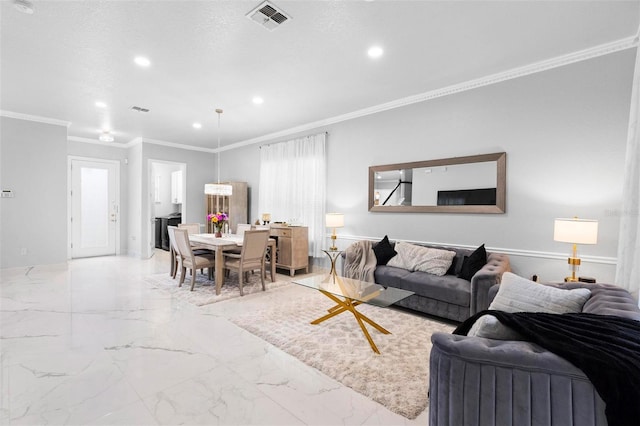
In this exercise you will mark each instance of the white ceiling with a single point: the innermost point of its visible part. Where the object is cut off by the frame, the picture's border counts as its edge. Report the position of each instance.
(59, 61)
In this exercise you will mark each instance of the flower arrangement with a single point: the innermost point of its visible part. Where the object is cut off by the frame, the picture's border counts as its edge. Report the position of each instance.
(218, 220)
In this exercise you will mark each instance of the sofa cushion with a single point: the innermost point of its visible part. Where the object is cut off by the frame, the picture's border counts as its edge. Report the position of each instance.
(384, 251)
(517, 294)
(419, 258)
(473, 263)
(446, 288)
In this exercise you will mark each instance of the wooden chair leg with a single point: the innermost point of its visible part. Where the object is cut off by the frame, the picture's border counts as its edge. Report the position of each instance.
(183, 273)
(193, 278)
(173, 264)
(240, 280)
(262, 274)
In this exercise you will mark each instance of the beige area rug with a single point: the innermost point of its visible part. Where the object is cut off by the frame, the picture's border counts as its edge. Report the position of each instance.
(204, 292)
(398, 378)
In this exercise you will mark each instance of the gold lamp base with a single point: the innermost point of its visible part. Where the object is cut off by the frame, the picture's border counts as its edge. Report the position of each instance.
(333, 241)
(574, 262)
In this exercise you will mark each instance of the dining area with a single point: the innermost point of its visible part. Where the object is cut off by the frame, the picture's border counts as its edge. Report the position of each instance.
(247, 251)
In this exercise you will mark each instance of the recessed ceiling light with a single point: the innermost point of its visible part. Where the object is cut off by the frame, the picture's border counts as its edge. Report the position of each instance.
(197, 126)
(258, 100)
(375, 52)
(101, 104)
(24, 6)
(106, 136)
(142, 61)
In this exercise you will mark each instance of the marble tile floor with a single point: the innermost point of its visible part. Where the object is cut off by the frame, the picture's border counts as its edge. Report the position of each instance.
(89, 343)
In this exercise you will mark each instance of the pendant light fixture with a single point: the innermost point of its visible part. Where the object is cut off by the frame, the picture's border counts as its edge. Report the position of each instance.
(218, 188)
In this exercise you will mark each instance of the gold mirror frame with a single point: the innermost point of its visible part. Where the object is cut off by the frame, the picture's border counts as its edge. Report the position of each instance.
(501, 162)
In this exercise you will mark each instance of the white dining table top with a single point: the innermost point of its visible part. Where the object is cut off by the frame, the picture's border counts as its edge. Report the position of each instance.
(225, 240)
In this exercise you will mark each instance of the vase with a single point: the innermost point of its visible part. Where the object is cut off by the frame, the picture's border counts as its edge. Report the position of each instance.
(218, 234)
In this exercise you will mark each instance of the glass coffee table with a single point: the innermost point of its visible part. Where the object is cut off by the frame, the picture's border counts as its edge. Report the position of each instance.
(348, 293)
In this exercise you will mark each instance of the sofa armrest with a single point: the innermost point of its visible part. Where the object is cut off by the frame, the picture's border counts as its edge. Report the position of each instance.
(476, 381)
(485, 278)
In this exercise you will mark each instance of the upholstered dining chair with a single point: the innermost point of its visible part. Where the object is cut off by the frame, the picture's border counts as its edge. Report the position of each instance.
(192, 228)
(242, 227)
(251, 257)
(189, 259)
(173, 251)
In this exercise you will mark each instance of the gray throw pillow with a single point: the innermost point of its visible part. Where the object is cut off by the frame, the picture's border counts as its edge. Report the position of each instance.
(517, 294)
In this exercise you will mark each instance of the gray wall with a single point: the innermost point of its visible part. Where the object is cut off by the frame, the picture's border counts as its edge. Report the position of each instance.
(564, 132)
(33, 163)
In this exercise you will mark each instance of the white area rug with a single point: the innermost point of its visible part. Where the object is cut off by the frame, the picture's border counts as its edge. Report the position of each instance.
(204, 292)
(398, 378)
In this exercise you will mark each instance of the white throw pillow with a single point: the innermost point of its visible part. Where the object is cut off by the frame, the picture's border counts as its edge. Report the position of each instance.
(517, 294)
(402, 259)
(419, 258)
(488, 326)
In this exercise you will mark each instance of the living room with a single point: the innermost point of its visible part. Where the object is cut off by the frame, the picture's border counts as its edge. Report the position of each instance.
(561, 116)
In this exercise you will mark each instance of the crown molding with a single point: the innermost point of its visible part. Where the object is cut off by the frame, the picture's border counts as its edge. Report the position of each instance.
(536, 67)
(35, 118)
(175, 145)
(96, 142)
(139, 140)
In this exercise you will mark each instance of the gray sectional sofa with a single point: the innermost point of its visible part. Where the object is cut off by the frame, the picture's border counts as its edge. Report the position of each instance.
(446, 296)
(481, 381)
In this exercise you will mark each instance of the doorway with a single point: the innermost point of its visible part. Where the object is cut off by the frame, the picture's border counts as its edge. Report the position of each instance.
(166, 199)
(94, 210)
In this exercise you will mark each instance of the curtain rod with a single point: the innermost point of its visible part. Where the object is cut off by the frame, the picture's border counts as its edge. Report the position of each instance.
(306, 136)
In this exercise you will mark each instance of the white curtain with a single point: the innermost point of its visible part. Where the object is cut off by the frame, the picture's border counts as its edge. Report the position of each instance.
(293, 185)
(628, 268)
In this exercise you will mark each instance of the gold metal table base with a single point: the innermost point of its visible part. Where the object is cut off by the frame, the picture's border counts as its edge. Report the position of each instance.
(350, 305)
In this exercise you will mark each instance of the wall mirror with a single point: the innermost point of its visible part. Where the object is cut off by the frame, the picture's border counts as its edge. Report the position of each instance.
(473, 184)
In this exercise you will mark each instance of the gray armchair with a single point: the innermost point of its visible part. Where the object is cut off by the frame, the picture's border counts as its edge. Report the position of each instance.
(485, 382)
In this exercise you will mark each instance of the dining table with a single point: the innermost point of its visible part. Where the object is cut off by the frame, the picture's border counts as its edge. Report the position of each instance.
(227, 242)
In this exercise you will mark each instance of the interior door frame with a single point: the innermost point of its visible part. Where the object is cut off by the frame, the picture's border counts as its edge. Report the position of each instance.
(147, 249)
(116, 163)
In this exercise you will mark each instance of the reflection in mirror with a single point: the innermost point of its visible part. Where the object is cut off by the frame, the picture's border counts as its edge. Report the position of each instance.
(474, 184)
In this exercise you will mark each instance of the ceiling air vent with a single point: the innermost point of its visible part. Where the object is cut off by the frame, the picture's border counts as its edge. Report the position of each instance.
(268, 15)
(139, 109)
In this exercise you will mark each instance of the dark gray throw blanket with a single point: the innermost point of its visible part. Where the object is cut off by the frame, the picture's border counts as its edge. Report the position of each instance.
(606, 348)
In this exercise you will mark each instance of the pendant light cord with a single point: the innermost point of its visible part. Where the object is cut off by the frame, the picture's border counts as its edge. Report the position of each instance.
(219, 111)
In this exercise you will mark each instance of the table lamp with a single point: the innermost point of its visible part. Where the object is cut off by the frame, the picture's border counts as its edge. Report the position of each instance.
(575, 231)
(334, 220)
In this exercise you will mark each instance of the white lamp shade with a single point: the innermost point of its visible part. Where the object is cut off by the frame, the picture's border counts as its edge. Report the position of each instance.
(218, 189)
(334, 220)
(576, 231)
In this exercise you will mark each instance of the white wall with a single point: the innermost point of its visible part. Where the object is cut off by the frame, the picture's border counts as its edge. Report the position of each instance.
(33, 224)
(134, 195)
(564, 133)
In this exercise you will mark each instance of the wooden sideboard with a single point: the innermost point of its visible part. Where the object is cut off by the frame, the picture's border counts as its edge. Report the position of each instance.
(293, 247)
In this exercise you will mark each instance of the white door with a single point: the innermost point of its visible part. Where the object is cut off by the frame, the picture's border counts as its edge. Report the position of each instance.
(94, 207)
